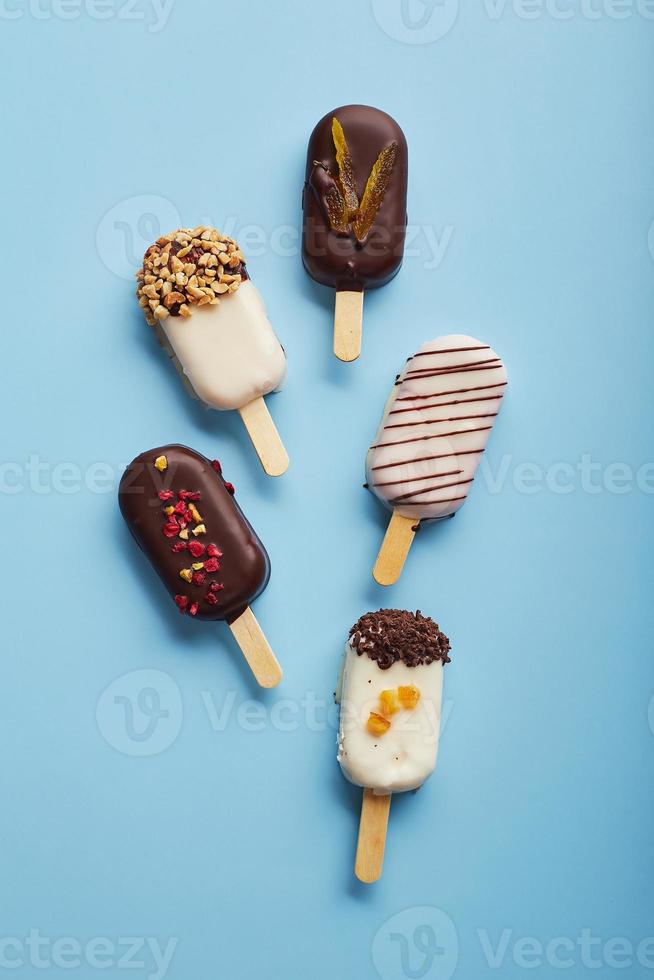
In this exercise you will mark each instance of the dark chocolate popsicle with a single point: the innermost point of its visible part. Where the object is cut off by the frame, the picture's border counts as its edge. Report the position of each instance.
(354, 204)
(184, 517)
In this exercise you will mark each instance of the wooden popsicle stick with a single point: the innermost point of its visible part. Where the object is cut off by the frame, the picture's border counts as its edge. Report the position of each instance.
(348, 323)
(372, 836)
(256, 649)
(265, 437)
(395, 547)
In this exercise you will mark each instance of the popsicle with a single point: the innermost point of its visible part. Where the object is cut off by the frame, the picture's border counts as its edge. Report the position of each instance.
(390, 693)
(184, 517)
(433, 432)
(354, 204)
(195, 291)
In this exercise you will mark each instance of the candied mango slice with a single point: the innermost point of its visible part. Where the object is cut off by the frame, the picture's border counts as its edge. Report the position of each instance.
(377, 725)
(345, 169)
(389, 702)
(408, 696)
(373, 196)
(328, 194)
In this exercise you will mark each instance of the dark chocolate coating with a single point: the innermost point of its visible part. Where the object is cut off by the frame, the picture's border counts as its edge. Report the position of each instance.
(245, 566)
(336, 258)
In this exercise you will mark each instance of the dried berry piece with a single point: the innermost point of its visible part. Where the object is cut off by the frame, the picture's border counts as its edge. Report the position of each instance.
(229, 487)
(171, 529)
(178, 546)
(166, 495)
(216, 587)
(182, 602)
(373, 195)
(211, 565)
(216, 465)
(198, 578)
(211, 598)
(213, 551)
(193, 608)
(189, 495)
(196, 548)
(345, 170)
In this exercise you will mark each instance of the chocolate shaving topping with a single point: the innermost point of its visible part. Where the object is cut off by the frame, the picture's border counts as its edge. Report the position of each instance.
(390, 635)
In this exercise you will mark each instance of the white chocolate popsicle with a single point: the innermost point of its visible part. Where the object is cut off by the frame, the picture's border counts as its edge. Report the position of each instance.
(195, 290)
(431, 438)
(390, 694)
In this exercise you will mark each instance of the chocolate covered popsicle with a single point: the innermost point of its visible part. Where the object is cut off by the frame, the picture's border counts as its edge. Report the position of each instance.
(184, 517)
(354, 203)
(434, 430)
(195, 290)
(390, 694)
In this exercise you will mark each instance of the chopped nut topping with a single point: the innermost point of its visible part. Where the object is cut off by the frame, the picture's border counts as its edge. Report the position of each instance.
(186, 574)
(200, 529)
(188, 268)
(161, 463)
(196, 514)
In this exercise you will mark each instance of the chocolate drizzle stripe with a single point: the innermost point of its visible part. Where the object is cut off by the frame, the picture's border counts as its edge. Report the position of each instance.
(424, 503)
(449, 368)
(457, 391)
(456, 418)
(424, 375)
(457, 401)
(417, 479)
(428, 459)
(439, 435)
(416, 493)
(448, 350)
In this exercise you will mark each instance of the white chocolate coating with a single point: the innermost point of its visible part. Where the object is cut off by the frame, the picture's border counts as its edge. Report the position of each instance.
(405, 755)
(435, 427)
(229, 352)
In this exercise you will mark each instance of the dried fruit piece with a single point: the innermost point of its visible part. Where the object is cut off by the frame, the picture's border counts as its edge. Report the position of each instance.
(170, 529)
(178, 546)
(409, 695)
(200, 529)
(193, 608)
(186, 574)
(198, 578)
(211, 598)
(211, 565)
(229, 487)
(377, 724)
(196, 548)
(165, 494)
(330, 198)
(182, 602)
(216, 587)
(195, 513)
(216, 465)
(213, 551)
(161, 463)
(183, 534)
(345, 170)
(169, 511)
(389, 702)
(373, 195)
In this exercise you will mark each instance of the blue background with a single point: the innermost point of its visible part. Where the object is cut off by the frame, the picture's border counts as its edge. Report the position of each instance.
(531, 158)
